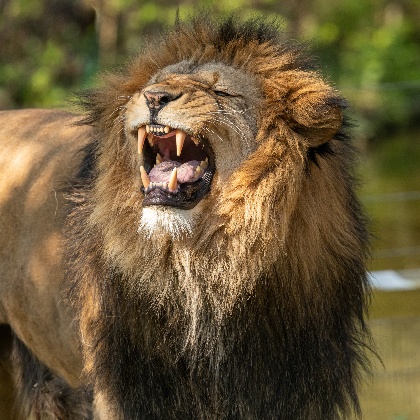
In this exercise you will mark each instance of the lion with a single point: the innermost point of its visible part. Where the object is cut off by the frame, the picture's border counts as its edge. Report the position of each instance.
(190, 247)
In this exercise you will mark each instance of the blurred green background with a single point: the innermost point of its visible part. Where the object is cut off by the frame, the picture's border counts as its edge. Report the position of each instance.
(369, 49)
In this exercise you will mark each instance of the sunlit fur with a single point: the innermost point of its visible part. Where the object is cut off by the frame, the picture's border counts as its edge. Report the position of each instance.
(257, 313)
(179, 224)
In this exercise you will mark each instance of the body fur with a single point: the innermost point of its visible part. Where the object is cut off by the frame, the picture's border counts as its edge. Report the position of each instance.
(254, 307)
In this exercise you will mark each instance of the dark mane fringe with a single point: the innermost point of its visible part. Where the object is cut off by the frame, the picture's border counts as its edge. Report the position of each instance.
(42, 393)
(233, 28)
(87, 171)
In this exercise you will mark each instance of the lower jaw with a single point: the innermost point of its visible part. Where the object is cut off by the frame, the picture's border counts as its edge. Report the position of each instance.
(186, 198)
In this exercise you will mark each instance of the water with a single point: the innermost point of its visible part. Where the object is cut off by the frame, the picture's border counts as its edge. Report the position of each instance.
(390, 172)
(391, 196)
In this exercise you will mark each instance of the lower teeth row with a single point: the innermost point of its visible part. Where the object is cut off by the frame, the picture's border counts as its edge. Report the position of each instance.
(154, 185)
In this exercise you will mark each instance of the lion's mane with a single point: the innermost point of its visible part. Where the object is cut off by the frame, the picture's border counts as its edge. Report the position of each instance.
(259, 313)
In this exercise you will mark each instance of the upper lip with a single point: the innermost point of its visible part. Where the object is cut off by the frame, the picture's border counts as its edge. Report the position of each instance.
(179, 165)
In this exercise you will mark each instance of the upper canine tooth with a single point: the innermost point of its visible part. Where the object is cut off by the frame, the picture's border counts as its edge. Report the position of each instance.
(150, 138)
(195, 140)
(167, 129)
(179, 138)
(144, 177)
(173, 183)
(141, 136)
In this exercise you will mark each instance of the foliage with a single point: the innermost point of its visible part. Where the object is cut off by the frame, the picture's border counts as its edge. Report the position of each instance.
(369, 48)
(47, 50)
(372, 50)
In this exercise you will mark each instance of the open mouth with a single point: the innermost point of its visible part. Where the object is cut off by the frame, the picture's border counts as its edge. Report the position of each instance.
(178, 167)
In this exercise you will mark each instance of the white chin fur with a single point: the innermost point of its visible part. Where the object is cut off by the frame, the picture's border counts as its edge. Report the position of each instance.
(170, 220)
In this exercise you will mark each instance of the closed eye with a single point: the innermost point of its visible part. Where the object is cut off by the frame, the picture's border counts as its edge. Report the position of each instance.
(222, 93)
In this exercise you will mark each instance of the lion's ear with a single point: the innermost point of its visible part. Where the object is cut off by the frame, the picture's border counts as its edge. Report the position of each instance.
(313, 108)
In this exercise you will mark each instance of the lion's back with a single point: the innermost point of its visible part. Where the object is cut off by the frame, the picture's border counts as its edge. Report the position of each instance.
(39, 155)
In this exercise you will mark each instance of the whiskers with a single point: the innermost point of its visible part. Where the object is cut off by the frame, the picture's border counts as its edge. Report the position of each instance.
(228, 118)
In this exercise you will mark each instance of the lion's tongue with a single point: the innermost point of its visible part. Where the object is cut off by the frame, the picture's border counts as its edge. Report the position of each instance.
(185, 172)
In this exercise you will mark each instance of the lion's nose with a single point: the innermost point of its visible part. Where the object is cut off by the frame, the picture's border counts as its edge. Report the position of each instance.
(157, 100)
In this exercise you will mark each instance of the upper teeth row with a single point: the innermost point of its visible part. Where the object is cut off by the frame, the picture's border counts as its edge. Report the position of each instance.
(153, 129)
(147, 131)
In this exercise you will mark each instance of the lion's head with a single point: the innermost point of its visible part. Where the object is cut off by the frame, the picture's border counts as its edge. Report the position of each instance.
(212, 114)
(195, 124)
(221, 213)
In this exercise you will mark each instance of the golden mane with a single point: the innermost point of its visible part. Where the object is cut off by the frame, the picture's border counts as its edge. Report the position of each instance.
(283, 247)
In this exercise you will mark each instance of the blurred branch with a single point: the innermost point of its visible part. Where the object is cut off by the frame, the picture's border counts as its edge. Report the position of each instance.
(107, 30)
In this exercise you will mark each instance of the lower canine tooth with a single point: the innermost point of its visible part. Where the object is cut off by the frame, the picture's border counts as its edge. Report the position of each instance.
(144, 177)
(204, 163)
(173, 183)
(198, 171)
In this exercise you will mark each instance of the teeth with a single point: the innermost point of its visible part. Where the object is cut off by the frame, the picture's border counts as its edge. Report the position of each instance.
(161, 130)
(180, 138)
(204, 163)
(150, 139)
(141, 137)
(144, 177)
(195, 140)
(198, 171)
(158, 159)
(173, 184)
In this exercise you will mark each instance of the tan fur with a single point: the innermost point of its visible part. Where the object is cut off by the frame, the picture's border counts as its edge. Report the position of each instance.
(278, 232)
(40, 152)
(38, 155)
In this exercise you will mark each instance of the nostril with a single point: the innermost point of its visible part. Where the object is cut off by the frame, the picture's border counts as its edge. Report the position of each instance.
(164, 99)
(157, 100)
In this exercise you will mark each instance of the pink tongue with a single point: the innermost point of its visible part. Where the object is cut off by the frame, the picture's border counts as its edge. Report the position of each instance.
(185, 172)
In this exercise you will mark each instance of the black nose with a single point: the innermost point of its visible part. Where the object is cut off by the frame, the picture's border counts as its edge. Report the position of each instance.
(157, 100)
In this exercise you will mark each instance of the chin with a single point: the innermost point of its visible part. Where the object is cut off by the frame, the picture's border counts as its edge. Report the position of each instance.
(172, 221)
